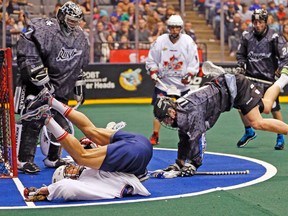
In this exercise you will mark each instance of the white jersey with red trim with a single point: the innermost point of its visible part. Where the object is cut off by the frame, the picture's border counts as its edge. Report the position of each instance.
(96, 185)
(173, 61)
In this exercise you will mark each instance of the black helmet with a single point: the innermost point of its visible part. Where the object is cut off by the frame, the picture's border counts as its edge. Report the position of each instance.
(260, 14)
(161, 107)
(69, 15)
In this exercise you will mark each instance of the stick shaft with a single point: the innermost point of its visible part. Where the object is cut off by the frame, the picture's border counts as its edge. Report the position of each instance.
(239, 172)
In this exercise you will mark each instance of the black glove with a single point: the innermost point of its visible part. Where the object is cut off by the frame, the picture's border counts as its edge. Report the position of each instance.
(241, 68)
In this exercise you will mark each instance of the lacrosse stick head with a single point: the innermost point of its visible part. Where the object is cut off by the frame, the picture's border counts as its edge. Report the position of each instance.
(210, 69)
(173, 91)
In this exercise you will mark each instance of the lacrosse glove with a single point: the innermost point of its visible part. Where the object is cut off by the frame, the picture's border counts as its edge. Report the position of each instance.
(241, 68)
(87, 143)
(187, 78)
(31, 194)
(187, 170)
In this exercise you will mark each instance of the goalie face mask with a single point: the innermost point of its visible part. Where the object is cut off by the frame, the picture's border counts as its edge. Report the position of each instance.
(67, 171)
(69, 16)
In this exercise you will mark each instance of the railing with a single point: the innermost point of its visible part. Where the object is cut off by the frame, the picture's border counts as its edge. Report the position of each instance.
(105, 52)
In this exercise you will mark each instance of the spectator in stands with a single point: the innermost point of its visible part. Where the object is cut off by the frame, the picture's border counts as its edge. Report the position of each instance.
(272, 9)
(124, 42)
(104, 18)
(111, 42)
(85, 6)
(144, 35)
(189, 31)
(170, 10)
(146, 11)
(118, 12)
(272, 23)
(14, 6)
(210, 12)
(255, 5)
(100, 43)
(54, 12)
(129, 15)
(285, 32)
(245, 13)
(160, 29)
(113, 25)
(229, 21)
(125, 30)
(85, 28)
(234, 37)
(124, 4)
(281, 13)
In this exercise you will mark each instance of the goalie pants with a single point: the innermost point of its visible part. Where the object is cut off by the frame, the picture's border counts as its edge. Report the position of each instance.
(30, 135)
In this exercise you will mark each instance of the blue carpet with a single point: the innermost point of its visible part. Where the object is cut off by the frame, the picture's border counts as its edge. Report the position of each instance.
(159, 188)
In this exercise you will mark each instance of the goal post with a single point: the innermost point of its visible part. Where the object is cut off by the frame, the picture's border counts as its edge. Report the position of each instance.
(8, 157)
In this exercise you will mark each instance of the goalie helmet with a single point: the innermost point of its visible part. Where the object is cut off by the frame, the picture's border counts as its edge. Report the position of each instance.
(67, 171)
(69, 15)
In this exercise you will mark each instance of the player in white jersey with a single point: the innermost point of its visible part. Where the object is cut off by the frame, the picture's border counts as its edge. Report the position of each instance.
(173, 58)
(71, 182)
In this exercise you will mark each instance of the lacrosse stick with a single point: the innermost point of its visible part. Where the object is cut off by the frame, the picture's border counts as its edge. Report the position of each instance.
(171, 90)
(210, 69)
(242, 172)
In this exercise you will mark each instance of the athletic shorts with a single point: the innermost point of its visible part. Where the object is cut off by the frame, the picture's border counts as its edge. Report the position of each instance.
(157, 92)
(248, 96)
(262, 87)
(127, 152)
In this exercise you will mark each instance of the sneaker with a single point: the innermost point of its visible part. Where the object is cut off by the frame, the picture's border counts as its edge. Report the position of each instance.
(154, 140)
(28, 167)
(245, 139)
(116, 126)
(279, 142)
(44, 97)
(55, 164)
(40, 114)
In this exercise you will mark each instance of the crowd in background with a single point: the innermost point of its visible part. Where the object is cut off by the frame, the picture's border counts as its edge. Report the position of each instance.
(114, 22)
(237, 17)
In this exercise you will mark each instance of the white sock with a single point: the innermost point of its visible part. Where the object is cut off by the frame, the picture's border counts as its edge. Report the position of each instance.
(60, 107)
(56, 129)
(282, 81)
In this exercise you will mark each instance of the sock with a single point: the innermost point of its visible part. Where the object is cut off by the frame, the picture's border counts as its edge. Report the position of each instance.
(56, 129)
(249, 130)
(283, 80)
(280, 136)
(60, 107)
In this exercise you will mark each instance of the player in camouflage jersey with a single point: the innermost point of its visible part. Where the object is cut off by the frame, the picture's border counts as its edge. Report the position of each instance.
(198, 111)
(262, 52)
(52, 53)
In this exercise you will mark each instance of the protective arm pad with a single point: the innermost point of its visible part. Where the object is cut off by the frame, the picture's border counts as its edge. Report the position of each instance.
(79, 90)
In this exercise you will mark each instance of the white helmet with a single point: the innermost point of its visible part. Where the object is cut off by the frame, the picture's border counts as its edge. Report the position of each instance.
(175, 20)
(59, 174)
(67, 171)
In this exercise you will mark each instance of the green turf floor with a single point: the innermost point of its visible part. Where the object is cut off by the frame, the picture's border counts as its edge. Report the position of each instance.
(266, 198)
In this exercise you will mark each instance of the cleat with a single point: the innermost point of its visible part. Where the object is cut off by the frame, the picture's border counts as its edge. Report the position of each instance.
(172, 167)
(154, 140)
(245, 139)
(40, 114)
(55, 164)
(28, 167)
(279, 142)
(143, 177)
(44, 97)
(116, 126)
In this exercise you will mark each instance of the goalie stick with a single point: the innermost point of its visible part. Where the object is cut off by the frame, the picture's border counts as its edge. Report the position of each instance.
(210, 69)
